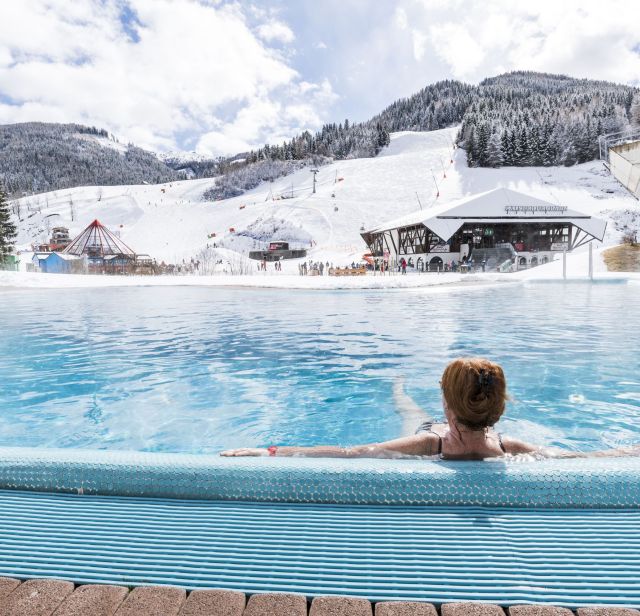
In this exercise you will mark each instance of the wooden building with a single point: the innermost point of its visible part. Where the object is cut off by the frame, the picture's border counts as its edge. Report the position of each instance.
(491, 224)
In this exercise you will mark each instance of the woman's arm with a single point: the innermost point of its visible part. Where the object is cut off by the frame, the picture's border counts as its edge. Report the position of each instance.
(423, 444)
(516, 447)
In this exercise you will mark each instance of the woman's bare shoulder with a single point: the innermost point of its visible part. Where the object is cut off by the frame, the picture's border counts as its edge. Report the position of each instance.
(440, 428)
(421, 444)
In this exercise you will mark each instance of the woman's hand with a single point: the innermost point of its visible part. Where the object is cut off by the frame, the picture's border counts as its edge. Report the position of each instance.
(233, 453)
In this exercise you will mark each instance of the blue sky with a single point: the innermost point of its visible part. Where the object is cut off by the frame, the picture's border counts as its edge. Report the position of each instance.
(221, 76)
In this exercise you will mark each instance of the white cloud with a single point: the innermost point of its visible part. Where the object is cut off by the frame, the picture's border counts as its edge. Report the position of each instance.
(235, 74)
(273, 121)
(400, 18)
(374, 49)
(419, 40)
(193, 65)
(275, 31)
(454, 44)
(584, 38)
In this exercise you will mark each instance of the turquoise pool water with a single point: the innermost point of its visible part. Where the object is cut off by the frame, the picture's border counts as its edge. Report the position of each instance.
(199, 370)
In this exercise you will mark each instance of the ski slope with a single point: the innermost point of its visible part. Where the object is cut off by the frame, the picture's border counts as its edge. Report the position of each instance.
(171, 222)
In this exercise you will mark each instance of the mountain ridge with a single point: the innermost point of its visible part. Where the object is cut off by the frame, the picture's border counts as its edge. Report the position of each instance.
(521, 118)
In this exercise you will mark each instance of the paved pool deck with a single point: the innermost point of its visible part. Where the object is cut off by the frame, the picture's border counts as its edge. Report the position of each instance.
(50, 597)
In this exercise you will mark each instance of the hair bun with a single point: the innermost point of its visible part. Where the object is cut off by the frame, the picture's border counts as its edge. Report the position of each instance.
(485, 379)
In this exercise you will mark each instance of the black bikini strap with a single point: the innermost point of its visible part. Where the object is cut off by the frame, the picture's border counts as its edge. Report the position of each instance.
(501, 443)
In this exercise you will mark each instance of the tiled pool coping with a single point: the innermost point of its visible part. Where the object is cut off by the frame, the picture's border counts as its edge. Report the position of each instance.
(568, 483)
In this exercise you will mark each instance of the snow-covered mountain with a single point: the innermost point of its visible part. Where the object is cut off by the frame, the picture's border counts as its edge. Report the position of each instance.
(36, 157)
(521, 119)
(171, 222)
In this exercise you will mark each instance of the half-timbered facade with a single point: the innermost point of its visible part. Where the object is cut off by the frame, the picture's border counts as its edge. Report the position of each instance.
(535, 229)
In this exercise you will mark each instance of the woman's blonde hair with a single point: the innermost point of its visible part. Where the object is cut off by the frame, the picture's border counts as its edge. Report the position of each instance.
(475, 391)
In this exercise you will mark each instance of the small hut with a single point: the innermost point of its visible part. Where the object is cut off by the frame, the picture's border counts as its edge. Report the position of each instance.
(59, 263)
(10, 262)
(105, 253)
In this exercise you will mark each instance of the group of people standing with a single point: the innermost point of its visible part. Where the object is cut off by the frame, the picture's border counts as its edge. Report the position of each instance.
(466, 264)
(312, 268)
(277, 266)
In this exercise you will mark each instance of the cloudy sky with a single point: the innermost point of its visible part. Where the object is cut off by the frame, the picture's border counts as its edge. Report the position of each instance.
(220, 76)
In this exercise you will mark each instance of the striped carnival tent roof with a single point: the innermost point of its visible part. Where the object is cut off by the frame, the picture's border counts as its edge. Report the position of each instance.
(97, 240)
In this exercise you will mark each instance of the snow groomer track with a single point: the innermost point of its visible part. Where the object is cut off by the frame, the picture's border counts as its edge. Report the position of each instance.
(563, 532)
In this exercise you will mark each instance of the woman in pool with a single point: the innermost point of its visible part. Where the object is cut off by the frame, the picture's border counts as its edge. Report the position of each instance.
(474, 393)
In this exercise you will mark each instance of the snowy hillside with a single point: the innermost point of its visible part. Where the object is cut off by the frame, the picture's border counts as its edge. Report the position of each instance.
(37, 157)
(171, 223)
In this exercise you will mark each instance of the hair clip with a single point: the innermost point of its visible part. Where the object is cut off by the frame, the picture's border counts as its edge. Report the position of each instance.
(485, 379)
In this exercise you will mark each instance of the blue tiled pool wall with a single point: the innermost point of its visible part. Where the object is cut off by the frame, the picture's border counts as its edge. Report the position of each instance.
(569, 483)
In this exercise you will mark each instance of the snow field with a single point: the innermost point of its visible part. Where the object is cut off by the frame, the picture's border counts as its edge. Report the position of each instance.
(171, 223)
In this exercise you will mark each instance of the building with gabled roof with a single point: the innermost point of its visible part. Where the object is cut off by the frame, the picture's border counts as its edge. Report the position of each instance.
(534, 229)
(60, 263)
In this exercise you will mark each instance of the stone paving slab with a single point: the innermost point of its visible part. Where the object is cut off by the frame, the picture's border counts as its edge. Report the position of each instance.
(93, 600)
(214, 603)
(58, 598)
(538, 610)
(405, 608)
(276, 604)
(471, 609)
(35, 598)
(607, 611)
(7, 585)
(153, 601)
(340, 606)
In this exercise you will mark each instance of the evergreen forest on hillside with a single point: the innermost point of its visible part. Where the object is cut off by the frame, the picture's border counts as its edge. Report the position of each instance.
(523, 119)
(516, 119)
(37, 157)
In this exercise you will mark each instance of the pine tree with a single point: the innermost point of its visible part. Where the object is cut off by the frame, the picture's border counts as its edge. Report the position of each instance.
(634, 112)
(494, 151)
(536, 147)
(482, 143)
(470, 147)
(550, 148)
(514, 152)
(524, 151)
(8, 230)
(507, 160)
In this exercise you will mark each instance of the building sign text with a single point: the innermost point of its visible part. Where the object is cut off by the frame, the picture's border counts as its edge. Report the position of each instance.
(534, 209)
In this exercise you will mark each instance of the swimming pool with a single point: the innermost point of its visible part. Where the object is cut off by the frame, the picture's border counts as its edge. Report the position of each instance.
(110, 398)
(197, 370)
